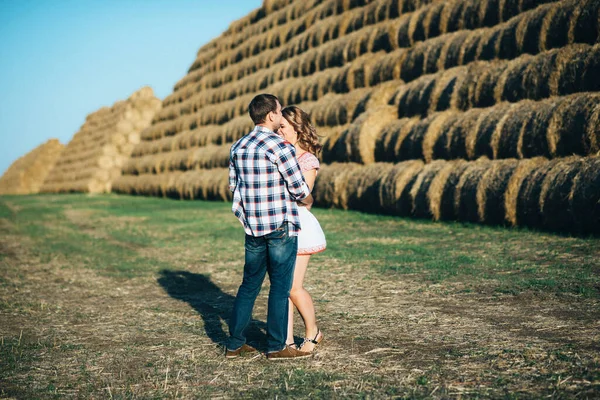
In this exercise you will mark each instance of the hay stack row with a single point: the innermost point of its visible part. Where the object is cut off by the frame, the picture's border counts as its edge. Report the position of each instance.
(552, 128)
(196, 184)
(561, 194)
(27, 174)
(94, 157)
(558, 72)
(529, 32)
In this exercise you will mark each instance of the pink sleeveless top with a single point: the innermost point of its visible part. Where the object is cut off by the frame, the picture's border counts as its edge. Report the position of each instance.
(308, 161)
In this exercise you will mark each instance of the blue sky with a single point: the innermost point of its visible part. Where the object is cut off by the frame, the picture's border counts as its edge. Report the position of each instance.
(63, 59)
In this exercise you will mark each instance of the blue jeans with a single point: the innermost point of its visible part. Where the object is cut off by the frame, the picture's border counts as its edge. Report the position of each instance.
(274, 253)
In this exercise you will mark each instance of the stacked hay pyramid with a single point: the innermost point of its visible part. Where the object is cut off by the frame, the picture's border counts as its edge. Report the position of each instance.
(93, 159)
(27, 174)
(478, 111)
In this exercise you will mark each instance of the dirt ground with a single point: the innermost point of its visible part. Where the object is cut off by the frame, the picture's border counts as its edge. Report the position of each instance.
(72, 331)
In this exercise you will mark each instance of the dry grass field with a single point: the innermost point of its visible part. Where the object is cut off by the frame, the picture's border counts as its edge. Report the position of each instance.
(118, 297)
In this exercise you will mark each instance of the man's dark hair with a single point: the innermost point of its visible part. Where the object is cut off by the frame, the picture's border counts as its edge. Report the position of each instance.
(261, 105)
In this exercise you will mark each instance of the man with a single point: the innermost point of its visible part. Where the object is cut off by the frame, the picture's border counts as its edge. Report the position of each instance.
(267, 183)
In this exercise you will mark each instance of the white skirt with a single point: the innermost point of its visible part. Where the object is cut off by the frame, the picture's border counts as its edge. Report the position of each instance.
(311, 238)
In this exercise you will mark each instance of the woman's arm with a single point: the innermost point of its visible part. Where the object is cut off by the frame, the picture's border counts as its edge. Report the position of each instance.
(309, 177)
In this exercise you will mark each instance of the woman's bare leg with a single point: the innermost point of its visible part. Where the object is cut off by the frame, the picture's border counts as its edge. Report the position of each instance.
(303, 302)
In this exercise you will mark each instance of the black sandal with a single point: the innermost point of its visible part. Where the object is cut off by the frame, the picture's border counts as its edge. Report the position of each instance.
(313, 341)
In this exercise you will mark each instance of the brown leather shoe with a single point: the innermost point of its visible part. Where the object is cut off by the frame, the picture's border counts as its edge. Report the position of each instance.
(287, 353)
(242, 351)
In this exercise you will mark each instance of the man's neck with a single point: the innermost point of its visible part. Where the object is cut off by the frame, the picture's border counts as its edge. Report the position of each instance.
(265, 126)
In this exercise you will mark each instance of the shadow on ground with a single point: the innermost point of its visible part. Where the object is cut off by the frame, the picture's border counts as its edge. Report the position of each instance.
(213, 305)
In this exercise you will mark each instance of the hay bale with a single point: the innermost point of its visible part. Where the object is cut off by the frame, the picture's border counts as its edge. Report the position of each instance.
(485, 89)
(555, 26)
(568, 129)
(357, 142)
(478, 141)
(364, 186)
(470, 46)
(396, 186)
(411, 147)
(27, 174)
(433, 19)
(420, 189)
(413, 98)
(416, 26)
(435, 140)
(492, 189)
(505, 138)
(488, 43)
(445, 89)
(331, 189)
(465, 195)
(433, 56)
(388, 68)
(576, 69)
(532, 140)
(450, 20)
(442, 189)
(584, 26)
(451, 52)
(592, 139)
(554, 195)
(535, 78)
(510, 86)
(529, 29)
(389, 142)
(455, 137)
(584, 198)
(525, 190)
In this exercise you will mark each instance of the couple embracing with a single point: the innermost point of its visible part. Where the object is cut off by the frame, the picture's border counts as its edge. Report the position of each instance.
(271, 173)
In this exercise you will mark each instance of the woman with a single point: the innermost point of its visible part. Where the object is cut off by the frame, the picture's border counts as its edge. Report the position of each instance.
(297, 129)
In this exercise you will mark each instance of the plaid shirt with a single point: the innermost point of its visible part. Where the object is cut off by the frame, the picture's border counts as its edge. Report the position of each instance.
(266, 182)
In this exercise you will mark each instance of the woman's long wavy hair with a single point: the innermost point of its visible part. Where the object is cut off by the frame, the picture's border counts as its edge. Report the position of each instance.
(307, 134)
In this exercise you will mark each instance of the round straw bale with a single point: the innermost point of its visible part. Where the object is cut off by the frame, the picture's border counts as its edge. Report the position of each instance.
(331, 189)
(489, 12)
(451, 52)
(401, 29)
(520, 175)
(418, 193)
(432, 20)
(554, 195)
(568, 129)
(576, 70)
(433, 54)
(536, 76)
(362, 134)
(510, 85)
(527, 205)
(441, 190)
(388, 68)
(465, 195)
(396, 186)
(434, 142)
(382, 94)
(486, 49)
(532, 140)
(529, 30)
(413, 99)
(486, 84)
(412, 63)
(478, 141)
(468, 49)
(445, 89)
(455, 137)
(492, 189)
(584, 24)
(387, 147)
(450, 19)
(592, 140)
(332, 142)
(416, 26)
(411, 146)
(364, 185)
(584, 199)
(555, 27)
(505, 138)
